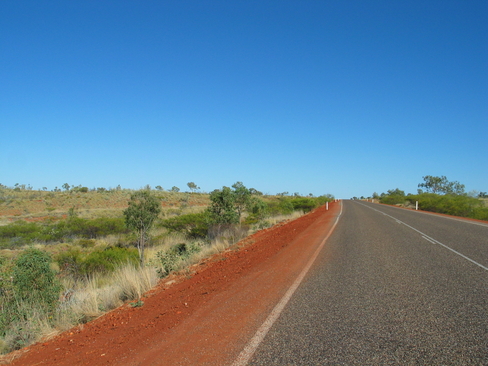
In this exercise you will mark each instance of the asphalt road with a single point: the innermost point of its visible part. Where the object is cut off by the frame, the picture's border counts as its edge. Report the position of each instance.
(390, 287)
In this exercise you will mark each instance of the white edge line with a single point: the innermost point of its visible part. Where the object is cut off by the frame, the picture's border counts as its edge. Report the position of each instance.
(466, 220)
(428, 239)
(425, 236)
(258, 337)
(462, 255)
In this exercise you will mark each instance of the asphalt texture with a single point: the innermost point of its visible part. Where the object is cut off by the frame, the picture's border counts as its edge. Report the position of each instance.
(384, 291)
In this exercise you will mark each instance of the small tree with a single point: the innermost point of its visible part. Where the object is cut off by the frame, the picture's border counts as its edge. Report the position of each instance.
(440, 185)
(455, 188)
(242, 197)
(222, 209)
(143, 209)
(258, 210)
(175, 189)
(255, 192)
(66, 186)
(193, 187)
(396, 192)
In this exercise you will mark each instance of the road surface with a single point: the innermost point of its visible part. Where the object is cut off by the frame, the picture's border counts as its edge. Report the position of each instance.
(386, 286)
(391, 287)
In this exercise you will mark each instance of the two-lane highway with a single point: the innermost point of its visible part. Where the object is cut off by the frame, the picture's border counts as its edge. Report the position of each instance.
(391, 286)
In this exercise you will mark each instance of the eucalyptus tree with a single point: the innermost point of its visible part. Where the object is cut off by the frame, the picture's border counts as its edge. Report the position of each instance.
(143, 210)
(242, 197)
(193, 187)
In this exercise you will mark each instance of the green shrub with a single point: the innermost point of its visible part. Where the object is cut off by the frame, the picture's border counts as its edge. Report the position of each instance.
(393, 197)
(70, 262)
(20, 324)
(107, 260)
(480, 213)
(172, 257)
(258, 210)
(93, 228)
(393, 200)
(321, 200)
(34, 280)
(29, 295)
(283, 206)
(77, 264)
(18, 228)
(303, 203)
(20, 233)
(194, 225)
(451, 204)
(6, 286)
(223, 209)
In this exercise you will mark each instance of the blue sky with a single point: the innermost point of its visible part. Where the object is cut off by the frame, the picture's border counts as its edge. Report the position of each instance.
(340, 97)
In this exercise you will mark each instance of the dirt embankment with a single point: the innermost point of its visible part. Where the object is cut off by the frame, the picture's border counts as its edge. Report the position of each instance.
(203, 317)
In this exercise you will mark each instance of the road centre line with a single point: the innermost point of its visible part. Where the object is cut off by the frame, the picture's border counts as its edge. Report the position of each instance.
(432, 240)
(258, 337)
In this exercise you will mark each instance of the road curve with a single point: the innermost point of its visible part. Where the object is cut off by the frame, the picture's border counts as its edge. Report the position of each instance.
(391, 286)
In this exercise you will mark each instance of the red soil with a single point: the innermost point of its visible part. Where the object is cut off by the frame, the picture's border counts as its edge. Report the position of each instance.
(10, 212)
(202, 318)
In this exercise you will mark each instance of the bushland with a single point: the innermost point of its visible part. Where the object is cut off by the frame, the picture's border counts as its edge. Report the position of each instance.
(82, 267)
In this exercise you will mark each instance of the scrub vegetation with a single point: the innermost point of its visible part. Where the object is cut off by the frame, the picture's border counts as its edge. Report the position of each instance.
(71, 254)
(438, 194)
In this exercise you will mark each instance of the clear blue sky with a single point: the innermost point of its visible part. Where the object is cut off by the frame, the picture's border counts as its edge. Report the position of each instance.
(340, 97)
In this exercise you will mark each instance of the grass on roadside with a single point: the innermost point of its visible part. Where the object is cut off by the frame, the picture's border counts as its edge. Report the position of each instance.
(86, 298)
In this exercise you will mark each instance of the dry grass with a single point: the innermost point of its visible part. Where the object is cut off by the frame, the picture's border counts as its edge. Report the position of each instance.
(36, 205)
(133, 282)
(87, 299)
(163, 242)
(280, 218)
(82, 301)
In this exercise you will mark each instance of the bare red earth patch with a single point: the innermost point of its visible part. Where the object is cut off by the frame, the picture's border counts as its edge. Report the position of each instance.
(202, 318)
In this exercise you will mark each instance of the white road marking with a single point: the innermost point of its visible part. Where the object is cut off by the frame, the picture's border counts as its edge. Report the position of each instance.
(256, 340)
(466, 221)
(432, 240)
(429, 240)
